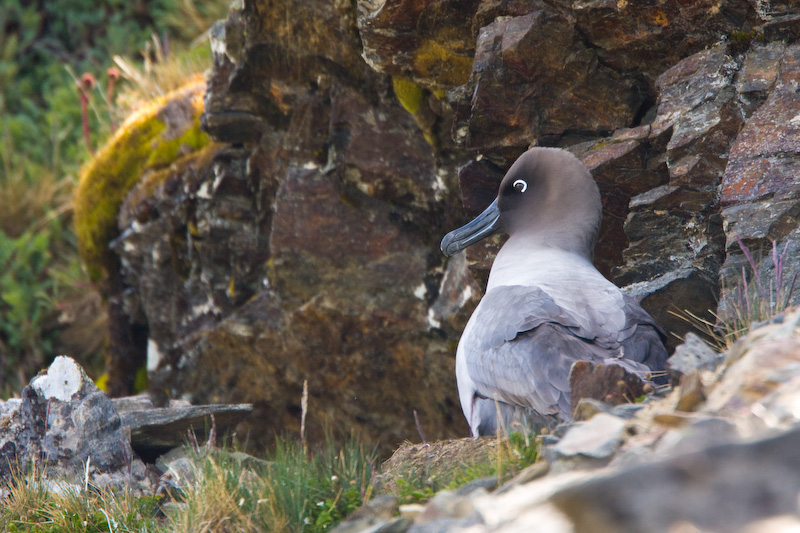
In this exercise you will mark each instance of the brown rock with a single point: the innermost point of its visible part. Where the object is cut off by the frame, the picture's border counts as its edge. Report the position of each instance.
(430, 42)
(610, 384)
(311, 253)
(693, 393)
(649, 38)
(531, 77)
(765, 157)
(760, 187)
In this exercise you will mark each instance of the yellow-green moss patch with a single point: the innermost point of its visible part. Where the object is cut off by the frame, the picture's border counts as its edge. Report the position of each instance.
(408, 93)
(435, 60)
(412, 97)
(148, 140)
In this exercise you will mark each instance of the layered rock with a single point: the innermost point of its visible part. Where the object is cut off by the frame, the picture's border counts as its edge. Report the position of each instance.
(303, 245)
(675, 231)
(761, 187)
(308, 251)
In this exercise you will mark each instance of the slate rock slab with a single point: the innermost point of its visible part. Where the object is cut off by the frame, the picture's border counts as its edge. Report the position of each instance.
(155, 431)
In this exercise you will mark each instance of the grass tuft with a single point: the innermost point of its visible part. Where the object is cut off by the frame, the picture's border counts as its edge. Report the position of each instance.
(35, 502)
(292, 491)
(750, 302)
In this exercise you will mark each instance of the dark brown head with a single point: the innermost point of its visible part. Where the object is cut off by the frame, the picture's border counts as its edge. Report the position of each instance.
(547, 198)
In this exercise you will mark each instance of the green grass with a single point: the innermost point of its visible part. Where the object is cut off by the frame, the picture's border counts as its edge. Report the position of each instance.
(34, 503)
(291, 490)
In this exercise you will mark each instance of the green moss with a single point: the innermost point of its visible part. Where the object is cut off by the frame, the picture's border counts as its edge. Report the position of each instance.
(102, 382)
(144, 142)
(740, 41)
(140, 383)
(408, 94)
(411, 96)
(191, 140)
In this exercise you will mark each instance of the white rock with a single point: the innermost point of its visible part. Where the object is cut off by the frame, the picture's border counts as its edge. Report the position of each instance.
(62, 380)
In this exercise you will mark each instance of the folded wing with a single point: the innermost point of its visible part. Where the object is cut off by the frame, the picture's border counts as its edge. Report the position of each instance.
(522, 356)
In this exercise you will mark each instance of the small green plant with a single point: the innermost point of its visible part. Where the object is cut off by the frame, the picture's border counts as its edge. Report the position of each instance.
(293, 490)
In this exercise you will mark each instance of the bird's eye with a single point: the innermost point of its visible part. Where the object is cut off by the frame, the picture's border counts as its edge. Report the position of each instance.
(520, 185)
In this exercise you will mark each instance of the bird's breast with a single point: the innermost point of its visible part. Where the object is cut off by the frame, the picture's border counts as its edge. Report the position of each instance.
(570, 280)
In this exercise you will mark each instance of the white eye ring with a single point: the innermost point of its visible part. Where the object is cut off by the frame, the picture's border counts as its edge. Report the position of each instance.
(520, 185)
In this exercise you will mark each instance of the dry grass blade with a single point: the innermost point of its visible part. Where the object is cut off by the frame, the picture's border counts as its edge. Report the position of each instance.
(159, 73)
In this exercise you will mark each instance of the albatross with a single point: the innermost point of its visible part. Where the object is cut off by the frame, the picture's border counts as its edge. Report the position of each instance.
(546, 306)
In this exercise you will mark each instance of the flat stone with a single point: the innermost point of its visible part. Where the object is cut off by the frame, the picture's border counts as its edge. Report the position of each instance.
(156, 431)
(526, 507)
(597, 438)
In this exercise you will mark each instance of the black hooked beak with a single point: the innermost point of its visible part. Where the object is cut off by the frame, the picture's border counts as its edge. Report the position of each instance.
(484, 225)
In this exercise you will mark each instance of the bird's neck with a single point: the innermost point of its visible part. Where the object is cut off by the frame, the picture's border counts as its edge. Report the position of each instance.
(567, 236)
(531, 262)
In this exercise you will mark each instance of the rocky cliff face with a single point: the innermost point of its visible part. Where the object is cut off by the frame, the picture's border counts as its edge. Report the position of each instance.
(350, 134)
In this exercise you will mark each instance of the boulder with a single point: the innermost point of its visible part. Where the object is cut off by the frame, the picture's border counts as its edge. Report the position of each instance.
(304, 249)
(69, 428)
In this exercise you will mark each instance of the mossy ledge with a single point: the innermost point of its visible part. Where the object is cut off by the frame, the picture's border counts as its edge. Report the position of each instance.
(166, 130)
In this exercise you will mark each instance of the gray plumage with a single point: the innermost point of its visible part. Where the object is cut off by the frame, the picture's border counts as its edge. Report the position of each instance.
(545, 306)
